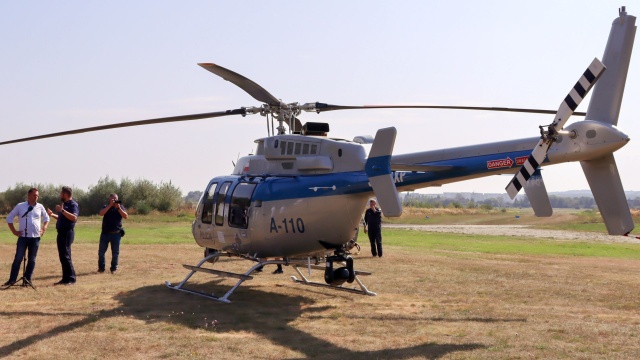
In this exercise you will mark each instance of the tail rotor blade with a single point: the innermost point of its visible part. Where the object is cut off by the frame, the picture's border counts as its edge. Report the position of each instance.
(529, 167)
(566, 109)
(577, 93)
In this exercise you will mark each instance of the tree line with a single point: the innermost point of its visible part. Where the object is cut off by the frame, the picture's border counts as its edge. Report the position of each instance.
(142, 195)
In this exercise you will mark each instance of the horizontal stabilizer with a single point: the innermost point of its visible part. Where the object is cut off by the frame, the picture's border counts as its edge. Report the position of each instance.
(604, 180)
(538, 196)
(378, 169)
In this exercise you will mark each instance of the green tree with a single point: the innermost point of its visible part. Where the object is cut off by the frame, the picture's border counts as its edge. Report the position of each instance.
(168, 197)
(97, 195)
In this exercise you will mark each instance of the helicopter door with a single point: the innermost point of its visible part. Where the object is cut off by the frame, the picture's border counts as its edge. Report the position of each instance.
(220, 204)
(207, 201)
(239, 206)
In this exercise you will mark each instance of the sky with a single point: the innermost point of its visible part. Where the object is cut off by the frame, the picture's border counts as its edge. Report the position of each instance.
(76, 64)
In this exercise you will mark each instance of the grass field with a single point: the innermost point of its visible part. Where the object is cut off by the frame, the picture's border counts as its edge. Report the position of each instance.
(439, 296)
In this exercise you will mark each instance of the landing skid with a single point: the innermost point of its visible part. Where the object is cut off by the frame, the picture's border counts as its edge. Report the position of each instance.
(198, 268)
(296, 263)
(363, 289)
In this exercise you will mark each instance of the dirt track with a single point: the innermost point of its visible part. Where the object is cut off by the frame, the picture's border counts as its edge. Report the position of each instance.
(519, 230)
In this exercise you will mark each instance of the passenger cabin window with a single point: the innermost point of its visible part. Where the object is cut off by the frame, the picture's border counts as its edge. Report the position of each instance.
(239, 207)
(220, 203)
(207, 201)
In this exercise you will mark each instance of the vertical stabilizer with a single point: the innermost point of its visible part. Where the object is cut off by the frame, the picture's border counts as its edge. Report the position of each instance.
(537, 195)
(607, 94)
(604, 181)
(602, 173)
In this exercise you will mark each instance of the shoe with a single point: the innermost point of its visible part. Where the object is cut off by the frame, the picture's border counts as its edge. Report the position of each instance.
(114, 271)
(64, 282)
(9, 283)
(277, 271)
(100, 271)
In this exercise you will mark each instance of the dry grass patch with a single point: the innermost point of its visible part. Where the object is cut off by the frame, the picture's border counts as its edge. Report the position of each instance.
(430, 305)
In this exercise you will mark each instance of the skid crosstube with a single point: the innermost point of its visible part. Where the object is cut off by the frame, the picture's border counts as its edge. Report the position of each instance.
(308, 263)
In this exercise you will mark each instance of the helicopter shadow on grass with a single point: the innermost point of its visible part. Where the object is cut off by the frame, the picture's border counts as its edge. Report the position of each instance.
(266, 313)
(253, 311)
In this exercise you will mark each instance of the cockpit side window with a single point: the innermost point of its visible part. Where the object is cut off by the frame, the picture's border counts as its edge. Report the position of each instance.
(222, 193)
(239, 207)
(207, 203)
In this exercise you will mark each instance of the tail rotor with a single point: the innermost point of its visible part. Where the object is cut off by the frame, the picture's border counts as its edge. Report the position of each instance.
(550, 135)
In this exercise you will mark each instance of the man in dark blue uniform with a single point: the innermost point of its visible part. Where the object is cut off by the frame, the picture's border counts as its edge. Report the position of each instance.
(112, 214)
(67, 215)
(373, 226)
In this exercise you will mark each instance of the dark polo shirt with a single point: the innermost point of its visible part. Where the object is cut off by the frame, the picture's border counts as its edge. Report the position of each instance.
(63, 223)
(112, 220)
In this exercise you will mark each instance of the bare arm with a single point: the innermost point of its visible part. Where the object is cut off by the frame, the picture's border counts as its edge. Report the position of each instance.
(44, 227)
(55, 216)
(70, 216)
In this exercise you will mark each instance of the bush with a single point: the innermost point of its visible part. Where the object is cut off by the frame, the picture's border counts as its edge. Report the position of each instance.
(143, 208)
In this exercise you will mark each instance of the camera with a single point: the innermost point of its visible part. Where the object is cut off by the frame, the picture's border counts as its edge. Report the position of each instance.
(118, 201)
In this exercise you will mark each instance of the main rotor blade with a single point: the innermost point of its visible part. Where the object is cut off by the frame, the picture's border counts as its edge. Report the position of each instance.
(240, 111)
(253, 89)
(321, 107)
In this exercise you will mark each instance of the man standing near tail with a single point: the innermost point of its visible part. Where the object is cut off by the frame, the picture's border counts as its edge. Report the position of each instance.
(373, 226)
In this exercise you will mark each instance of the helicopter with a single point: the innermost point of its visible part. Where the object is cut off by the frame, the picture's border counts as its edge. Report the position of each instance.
(299, 198)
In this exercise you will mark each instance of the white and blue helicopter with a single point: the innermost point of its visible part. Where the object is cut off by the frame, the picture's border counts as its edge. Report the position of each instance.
(299, 199)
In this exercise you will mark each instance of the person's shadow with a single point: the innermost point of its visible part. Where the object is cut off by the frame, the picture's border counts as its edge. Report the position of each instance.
(252, 310)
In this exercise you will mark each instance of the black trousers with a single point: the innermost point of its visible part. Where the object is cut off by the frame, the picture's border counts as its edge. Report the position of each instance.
(64, 241)
(375, 237)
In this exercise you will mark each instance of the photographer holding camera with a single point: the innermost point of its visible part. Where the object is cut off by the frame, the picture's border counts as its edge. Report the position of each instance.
(112, 232)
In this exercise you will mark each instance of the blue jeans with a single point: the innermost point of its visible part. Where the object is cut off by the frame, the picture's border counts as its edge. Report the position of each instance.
(105, 240)
(64, 240)
(23, 244)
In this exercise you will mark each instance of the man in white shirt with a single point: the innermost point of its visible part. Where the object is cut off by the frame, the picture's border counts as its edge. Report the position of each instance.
(30, 215)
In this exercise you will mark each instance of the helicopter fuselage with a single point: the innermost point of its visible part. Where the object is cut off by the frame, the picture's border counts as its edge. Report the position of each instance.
(305, 195)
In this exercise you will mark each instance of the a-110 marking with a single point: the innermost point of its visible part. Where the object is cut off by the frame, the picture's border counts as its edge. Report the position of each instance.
(290, 226)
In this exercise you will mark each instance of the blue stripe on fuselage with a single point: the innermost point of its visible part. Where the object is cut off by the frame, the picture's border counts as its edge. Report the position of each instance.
(356, 182)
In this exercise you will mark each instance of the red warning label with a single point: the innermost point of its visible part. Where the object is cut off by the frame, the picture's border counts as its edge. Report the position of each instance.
(520, 160)
(500, 163)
